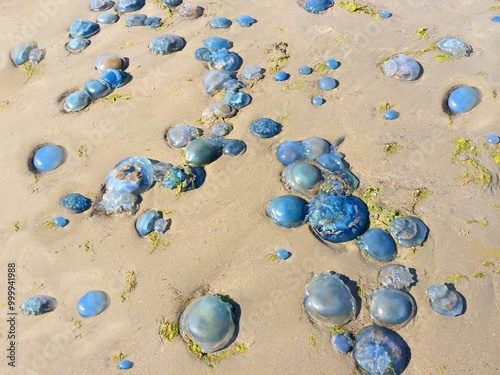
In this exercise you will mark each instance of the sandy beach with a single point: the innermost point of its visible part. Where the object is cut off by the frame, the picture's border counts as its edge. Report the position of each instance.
(220, 236)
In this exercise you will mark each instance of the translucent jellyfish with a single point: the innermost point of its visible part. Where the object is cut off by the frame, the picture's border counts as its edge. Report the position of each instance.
(216, 43)
(287, 211)
(135, 20)
(202, 151)
(402, 67)
(113, 77)
(115, 203)
(209, 322)
(225, 60)
(166, 44)
(100, 5)
(377, 244)
(237, 100)
(328, 300)
(454, 47)
(379, 350)
(252, 72)
(315, 6)
(131, 175)
(77, 44)
(396, 276)
(445, 301)
(303, 177)
(234, 147)
(290, 151)
(84, 29)
(245, 21)
(150, 221)
(21, 53)
(180, 135)
(314, 147)
(265, 128)
(392, 308)
(214, 80)
(221, 129)
(38, 305)
(190, 11)
(409, 231)
(203, 54)
(125, 6)
(333, 161)
(76, 101)
(97, 88)
(337, 218)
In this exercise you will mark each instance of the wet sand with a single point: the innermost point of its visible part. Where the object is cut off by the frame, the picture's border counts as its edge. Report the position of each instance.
(220, 235)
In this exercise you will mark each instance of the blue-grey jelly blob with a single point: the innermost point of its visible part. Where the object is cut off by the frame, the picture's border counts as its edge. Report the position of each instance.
(135, 20)
(225, 60)
(331, 161)
(332, 63)
(281, 76)
(125, 364)
(91, 304)
(100, 5)
(342, 343)
(402, 67)
(265, 128)
(396, 276)
(287, 211)
(214, 80)
(409, 231)
(337, 219)
(377, 244)
(84, 29)
(290, 151)
(145, 223)
(75, 203)
(237, 100)
(48, 158)
(209, 322)
(97, 88)
(455, 47)
(283, 254)
(234, 147)
(445, 301)
(220, 23)
(252, 72)
(328, 300)
(77, 101)
(327, 83)
(190, 11)
(21, 53)
(112, 77)
(179, 135)
(221, 129)
(38, 305)
(172, 3)
(303, 177)
(492, 139)
(125, 6)
(203, 54)
(496, 19)
(77, 44)
(384, 14)
(216, 43)
(379, 350)
(317, 100)
(108, 60)
(392, 308)
(201, 151)
(314, 147)
(315, 6)
(223, 110)
(130, 175)
(463, 99)
(107, 18)
(166, 44)
(60, 221)
(153, 22)
(391, 114)
(305, 70)
(245, 21)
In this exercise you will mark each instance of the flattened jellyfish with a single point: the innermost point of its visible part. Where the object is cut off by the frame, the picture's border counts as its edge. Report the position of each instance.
(135, 20)
(223, 110)
(245, 21)
(183, 178)
(202, 151)
(234, 147)
(214, 80)
(237, 100)
(85, 29)
(377, 244)
(252, 72)
(224, 60)
(265, 128)
(337, 218)
(402, 67)
(445, 301)
(24, 52)
(455, 47)
(75, 203)
(378, 350)
(342, 342)
(409, 231)
(107, 18)
(314, 147)
(113, 77)
(153, 22)
(180, 135)
(131, 175)
(287, 211)
(92, 303)
(76, 101)
(331, 161)
(100, 5)
(221, 129)
(38, 305)
(77, 44)
(315, 6)
(150, 221)
(125, 6)
(190, 11)
(396, 276)
(392, 308)
(166, 44)
(327, 83)
(97, 88)
(220, 23)
(328, 300)
(216, 43)
(209, 322)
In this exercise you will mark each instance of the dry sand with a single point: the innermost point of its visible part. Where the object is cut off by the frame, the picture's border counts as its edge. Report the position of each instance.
(220, 235)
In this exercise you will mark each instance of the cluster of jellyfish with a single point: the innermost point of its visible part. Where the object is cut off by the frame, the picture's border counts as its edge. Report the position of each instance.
(321, 187)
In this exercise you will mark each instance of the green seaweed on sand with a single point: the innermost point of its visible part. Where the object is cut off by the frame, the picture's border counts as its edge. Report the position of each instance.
(482, 223)
(297, 85)
(49, 224)
(478, 275)
(380, 217)
(272, 257)
(419, 195)
(422, 33)
(495, 7)
(167, 330)
(114, 97)
(130, 281)
(488, 264)
(4, 104)
(28, 69)
(240, 348)
(118, 357)
(441, 369)
(482, 175)
(312, 340)
(166, 8)
(443, 57)
(464, 149)
(155, 241)
(211, 358)
(16, 226)
(87, 246)
(338, 330)
(279, 56)
(320, 67)
(354, 7)
(464, 146)
(370, 193)
(391, 148)
(385, 107)
(455, 277)
(81, 151)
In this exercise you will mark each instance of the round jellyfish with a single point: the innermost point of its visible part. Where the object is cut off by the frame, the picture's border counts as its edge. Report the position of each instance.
(265, 128)
(202, 54)
(331, 161)
(409, 231)
(337, 218)
(75, 203)
(209, 322)
(463, 99)
(76, 101)
(314, 147)
(445, 301)
(252, 72)
(225, 60)
(392, 308)
(317, 101)
(38, 305)
(125, 6)
(214, 80)
(234, 147)
(132, 175)
(220, 23)
(125, 364)
(377, 244)
(342, 342)
(283, 254)
(47, 158)
(245, 21)
(92, 303)
(145, 223)
(60, 221)
(454, 47)
(107, 18)
(100, 5)
(391, 114)
(84, 29)
(112, 77)
(108, 60)
(379, 350)
(332, 64)
(202, 151)
(97, 88)
(327, 83)
(180, 135)
(305, 70)
(216, 43)
(190, 11)
(287, 211)
(303, 177)
(315, 6)
(328, 300)
(281, 76)
(290, 151)
(77, 44)
(492, 139)
(166, 44)
(221, 129)
(402, 67)
(396, 276)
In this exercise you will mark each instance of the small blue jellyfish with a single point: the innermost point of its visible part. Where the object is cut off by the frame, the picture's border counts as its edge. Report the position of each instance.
(220, 23)
(23, 52)
(153, 22)
(402, 67)
(384, 14)
(166, 44)
(445, 301)
(223, 110)
(85, 29)
(391, 114)
(317, 101)
(237, 100)
(125, 6)
(377, 244)
(216, 43)
(283, 254)
(75, 203)
(135, 20)
(76, 101)
(125, 364)
(48, 158)
(145, 223)
(91, 304)
(38, 305)
(281, 76)
(332, 64)
(492, 139)
(252, 72)
(287, 211)
(100, 5)
(305, 70)
(327, 83)
(392, 308)
(331, 161)
(315, 6)
(290, 151)
(221, 129)
(77, 44)
(378, 350)
(409, 231)
(222, 59)
(107, 18)
(202, 151)
(342, 343)
(463, 99)
(97, 88)
(190, 11)
(234, 147)
(314, 147)
(113, 77)
(265, 128)
(396, 276)
(303, 177)
(60, 221)
(214, 80)
(180, 135)
(131, 175)
(455, 47)
(245, 21)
